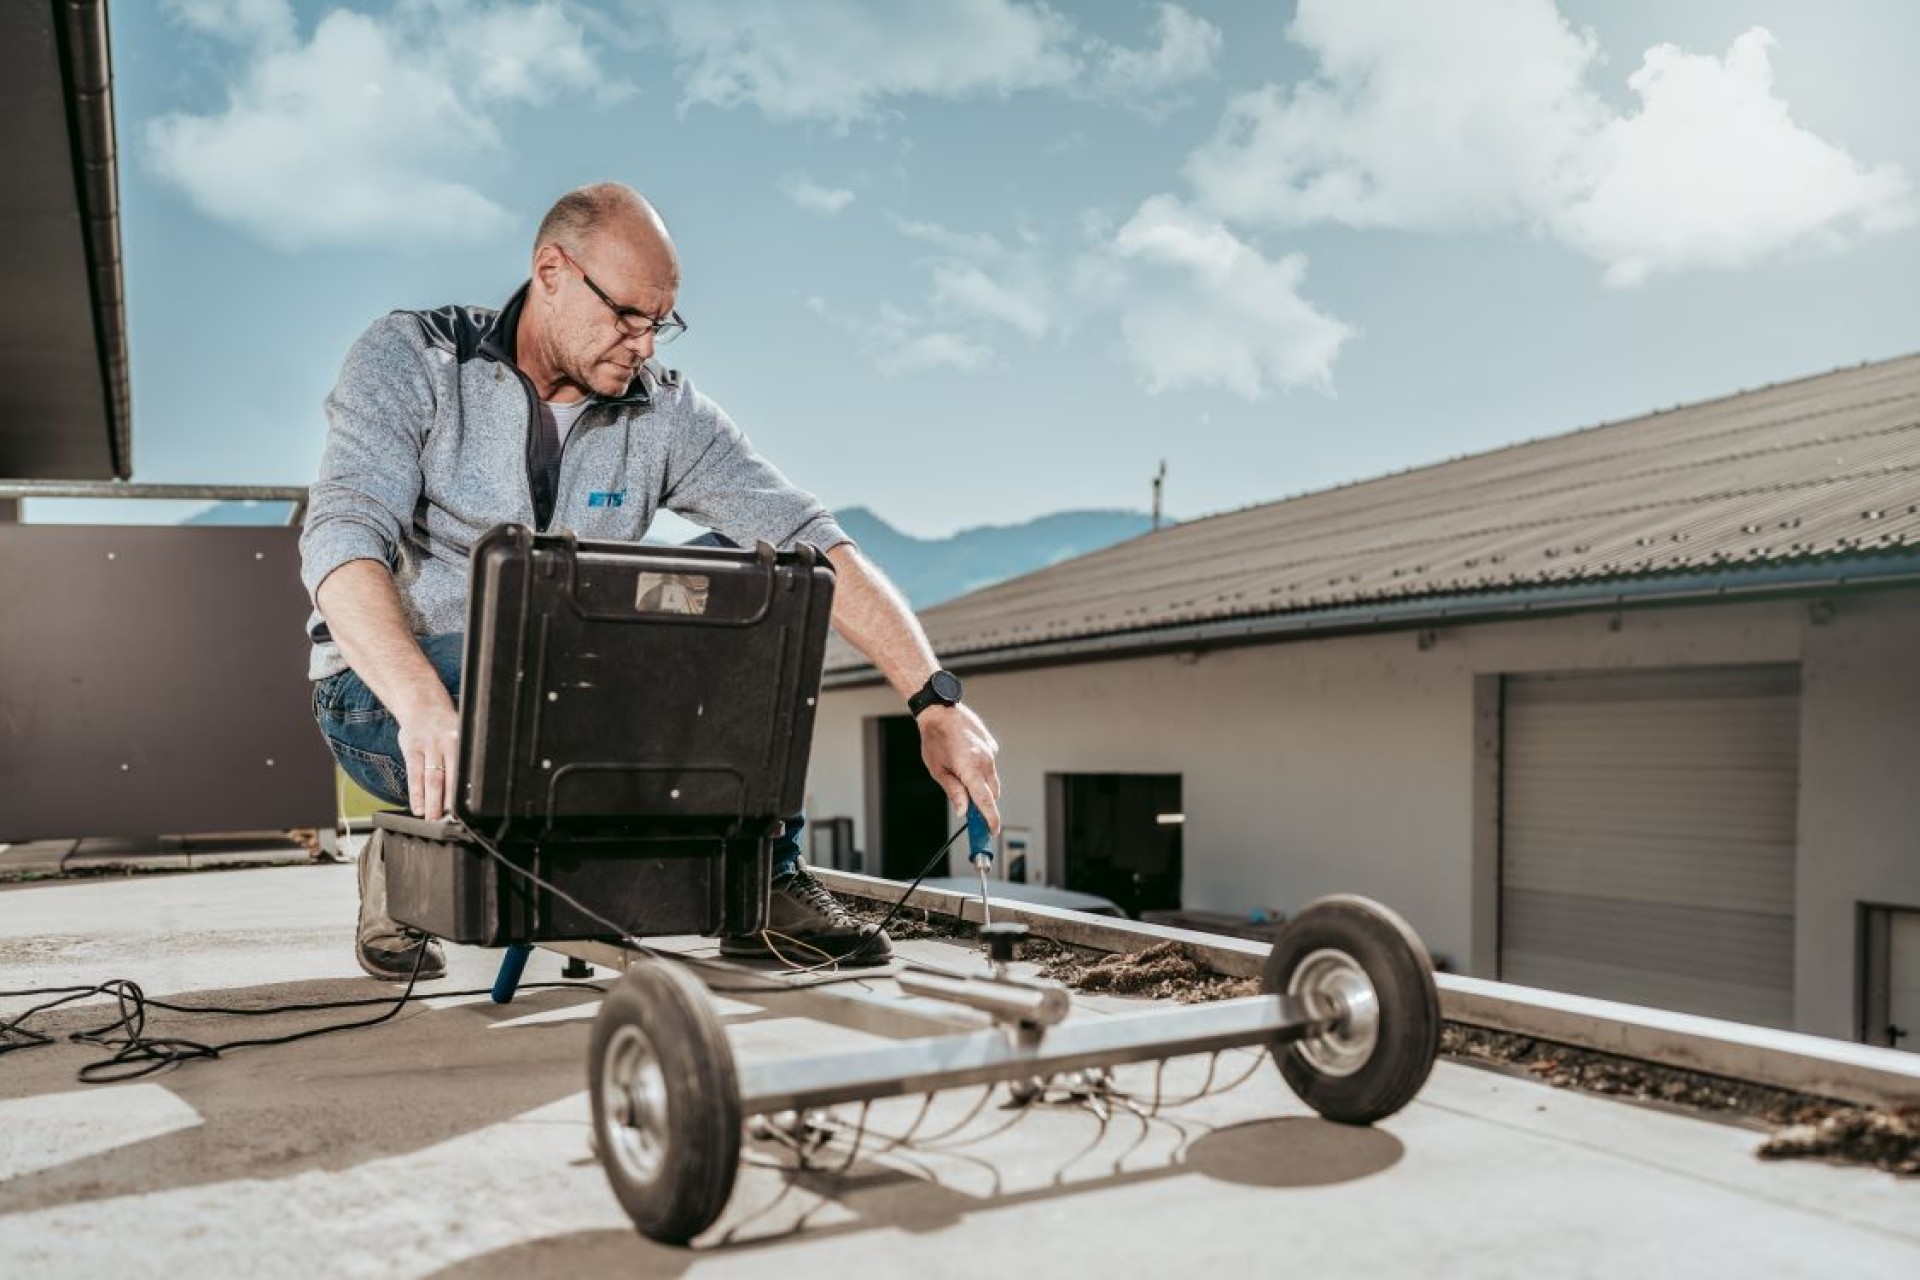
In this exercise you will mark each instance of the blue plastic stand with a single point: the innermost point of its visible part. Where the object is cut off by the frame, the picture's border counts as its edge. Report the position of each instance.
(512, 965)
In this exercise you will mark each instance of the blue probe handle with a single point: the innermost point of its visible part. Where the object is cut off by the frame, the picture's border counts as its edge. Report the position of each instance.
(979, 837)
(512, 965)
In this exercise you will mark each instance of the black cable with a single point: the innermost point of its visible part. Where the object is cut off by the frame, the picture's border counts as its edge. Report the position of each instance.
(627, 939)
(136, 1054)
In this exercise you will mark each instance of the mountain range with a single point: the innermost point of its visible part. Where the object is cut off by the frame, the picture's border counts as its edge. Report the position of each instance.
(930, 570)
(927, 570)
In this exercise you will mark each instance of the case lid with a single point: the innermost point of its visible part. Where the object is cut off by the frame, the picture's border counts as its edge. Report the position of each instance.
(617, 688)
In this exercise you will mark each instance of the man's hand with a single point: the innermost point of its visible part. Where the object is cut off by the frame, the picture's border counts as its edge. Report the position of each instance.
(959, 754)
(430, 743)
(872, 614)
(362, 606)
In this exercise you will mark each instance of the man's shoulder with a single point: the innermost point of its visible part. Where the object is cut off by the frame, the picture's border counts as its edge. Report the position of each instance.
(457, 330)
(660, 380)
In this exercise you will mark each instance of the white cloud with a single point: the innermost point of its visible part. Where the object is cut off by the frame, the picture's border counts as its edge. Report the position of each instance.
(1199, 306)
(978, 281)
(1186, 51)
(964, 288)
(904, 352)
(267, 22)
(514, 52)
(1480, 114)
(368, 132)
(814, 198)
(1712, 172)
(900, 344)
(962, 244)
(1194, 303)
(836, 60)
(840, 61)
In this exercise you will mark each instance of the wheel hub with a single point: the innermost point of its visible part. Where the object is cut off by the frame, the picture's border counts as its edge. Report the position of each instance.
(1335, 979)
(634, 1102)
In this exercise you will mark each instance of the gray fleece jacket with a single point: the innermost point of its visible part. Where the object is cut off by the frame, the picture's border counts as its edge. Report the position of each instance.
(431, 440)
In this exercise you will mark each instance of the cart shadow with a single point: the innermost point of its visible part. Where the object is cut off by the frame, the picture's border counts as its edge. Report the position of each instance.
(605, 1252)
(1291, 1152)
(429, 1076)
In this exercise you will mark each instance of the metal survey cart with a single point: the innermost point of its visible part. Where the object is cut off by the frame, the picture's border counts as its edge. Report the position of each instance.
(635, 726)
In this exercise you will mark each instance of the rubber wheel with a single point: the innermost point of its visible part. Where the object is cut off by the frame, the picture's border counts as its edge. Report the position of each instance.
(666, 1102)
(1375, 1060)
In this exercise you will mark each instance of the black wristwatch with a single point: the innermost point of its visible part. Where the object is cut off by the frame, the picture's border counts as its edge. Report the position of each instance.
(942, 687)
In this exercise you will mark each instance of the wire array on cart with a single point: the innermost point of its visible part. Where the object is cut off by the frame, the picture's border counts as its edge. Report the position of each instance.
(807, 1135)
(812, 1141)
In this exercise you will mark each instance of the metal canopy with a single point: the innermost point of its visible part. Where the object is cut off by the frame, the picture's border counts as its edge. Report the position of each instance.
(63, 362)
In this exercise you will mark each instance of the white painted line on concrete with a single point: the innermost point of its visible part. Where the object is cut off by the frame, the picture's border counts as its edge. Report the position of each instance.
(55, 1129)
(437, 1003)
(571, 1013)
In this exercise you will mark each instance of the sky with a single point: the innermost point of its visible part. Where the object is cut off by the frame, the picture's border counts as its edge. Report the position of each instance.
(967, 262)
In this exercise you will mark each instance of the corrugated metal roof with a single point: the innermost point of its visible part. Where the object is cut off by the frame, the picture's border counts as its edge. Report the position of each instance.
(1826, 467)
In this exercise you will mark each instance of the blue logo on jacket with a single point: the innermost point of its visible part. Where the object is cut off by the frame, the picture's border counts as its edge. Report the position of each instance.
(605, 499)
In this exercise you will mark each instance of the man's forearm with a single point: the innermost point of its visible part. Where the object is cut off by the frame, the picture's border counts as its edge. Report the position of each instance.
(363, 612)
(875, 619)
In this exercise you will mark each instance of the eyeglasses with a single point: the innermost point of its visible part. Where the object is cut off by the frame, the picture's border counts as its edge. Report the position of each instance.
(632, 321)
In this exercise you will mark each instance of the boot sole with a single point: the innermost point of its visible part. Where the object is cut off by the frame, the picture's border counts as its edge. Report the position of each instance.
(856, 958)
(428, 970)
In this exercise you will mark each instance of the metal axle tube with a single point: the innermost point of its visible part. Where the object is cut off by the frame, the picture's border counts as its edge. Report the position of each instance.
(1007, 1001)
(1014, 1053)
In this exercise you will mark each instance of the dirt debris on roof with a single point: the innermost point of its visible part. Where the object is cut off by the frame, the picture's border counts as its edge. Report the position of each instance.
(1804, 1126)
(1887, 1140)
(1164, 971)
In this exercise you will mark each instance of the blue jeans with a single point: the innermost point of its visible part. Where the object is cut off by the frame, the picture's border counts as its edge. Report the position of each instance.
(365, 738)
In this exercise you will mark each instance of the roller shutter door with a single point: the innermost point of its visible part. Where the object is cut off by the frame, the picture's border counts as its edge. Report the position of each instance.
(1647, 838)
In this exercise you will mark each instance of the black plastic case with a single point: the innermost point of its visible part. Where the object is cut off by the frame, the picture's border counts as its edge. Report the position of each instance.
(635, 721)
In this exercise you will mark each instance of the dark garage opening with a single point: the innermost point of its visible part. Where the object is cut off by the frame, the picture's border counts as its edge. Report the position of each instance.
(906, 809)
(1118, 835)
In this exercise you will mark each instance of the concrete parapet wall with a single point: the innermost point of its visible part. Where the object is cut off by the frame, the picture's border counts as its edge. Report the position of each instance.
(1779, 1059)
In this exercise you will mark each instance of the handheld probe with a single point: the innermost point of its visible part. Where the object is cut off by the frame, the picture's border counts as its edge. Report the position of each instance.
(980, 853)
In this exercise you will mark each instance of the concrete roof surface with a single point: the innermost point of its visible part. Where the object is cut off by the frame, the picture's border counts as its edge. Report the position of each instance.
(453, 1141)
(1816, 469)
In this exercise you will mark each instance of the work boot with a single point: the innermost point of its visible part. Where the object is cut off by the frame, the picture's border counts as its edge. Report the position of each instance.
(385, 948)
(806, 925)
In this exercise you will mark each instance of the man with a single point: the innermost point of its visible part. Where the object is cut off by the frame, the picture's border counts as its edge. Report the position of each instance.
(552, 412)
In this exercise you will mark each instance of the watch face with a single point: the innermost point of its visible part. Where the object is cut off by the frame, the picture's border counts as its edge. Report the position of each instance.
(946, 686)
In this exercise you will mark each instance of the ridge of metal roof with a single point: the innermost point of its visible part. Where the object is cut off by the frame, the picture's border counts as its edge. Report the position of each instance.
(1810, 577)
(1792, 479)
(1527, 442)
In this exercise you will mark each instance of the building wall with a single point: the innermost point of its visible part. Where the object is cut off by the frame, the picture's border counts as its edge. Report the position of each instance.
(1350, 764)
(1859, 795)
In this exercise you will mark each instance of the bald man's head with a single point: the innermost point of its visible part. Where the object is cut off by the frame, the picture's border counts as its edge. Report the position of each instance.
(602, 252)
(613, 215)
